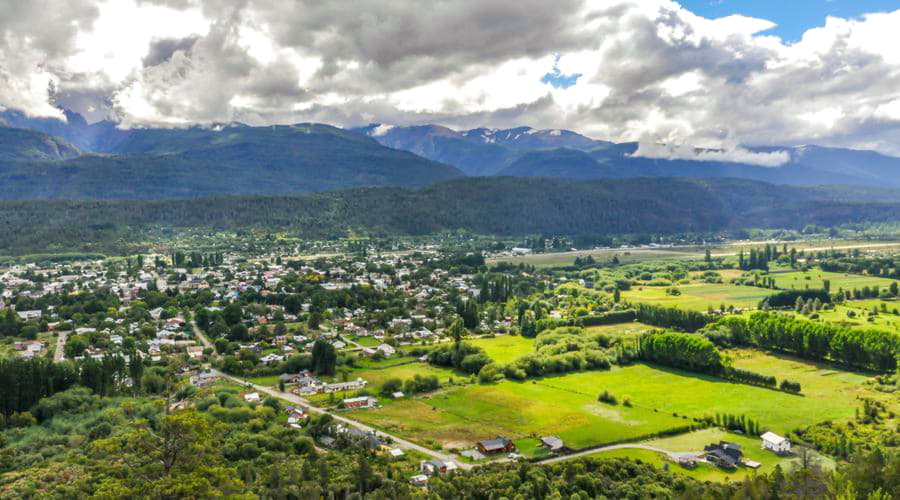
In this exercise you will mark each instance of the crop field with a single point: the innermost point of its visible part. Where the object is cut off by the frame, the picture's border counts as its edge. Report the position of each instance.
(662, 399)
(505, 348)
(700, 296)
(814, 279)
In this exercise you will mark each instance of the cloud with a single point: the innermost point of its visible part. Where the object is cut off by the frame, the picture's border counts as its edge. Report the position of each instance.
(734, 154)
(651, 71)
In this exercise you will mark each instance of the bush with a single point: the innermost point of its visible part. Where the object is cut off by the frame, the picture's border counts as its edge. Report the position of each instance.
(607, 397)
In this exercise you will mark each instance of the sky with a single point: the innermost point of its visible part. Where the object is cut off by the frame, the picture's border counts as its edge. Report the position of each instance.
(720, 74)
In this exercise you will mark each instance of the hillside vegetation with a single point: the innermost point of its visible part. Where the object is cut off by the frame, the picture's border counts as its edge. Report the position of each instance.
(496, 205)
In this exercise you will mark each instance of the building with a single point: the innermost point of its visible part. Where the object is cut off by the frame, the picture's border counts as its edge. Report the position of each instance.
(725, 455)
(496, 445)
(435, 467)
(776, 443)
(252, 397)
(360, 402)
(553, 443)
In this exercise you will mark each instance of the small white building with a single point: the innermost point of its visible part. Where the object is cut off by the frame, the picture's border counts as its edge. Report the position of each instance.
(776, 443)
(252, 397)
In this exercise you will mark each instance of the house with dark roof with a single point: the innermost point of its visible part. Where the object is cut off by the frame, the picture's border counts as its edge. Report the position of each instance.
(725, 454)
(496, 445)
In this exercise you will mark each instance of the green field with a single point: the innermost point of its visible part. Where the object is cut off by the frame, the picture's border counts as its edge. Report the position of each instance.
(505, 348)
(458, 417)
(819, 381)
(814, 279)
(699, 296)
(378, 375)
(566, 405)
(620, 330)
(861, 319)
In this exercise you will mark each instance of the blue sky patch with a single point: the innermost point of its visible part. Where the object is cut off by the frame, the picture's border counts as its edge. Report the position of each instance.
(794, 17)
(559, 80)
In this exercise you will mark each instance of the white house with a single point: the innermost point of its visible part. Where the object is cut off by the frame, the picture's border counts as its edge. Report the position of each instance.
(253, 397)
(386, 349)
(776, 443)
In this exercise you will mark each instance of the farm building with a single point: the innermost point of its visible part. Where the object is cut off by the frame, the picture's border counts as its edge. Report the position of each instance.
(553, 443)
(776, 443)
(496, 445)
(360, 402)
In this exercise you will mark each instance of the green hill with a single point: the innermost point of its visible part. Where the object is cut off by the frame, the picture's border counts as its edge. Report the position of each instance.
(17, 144)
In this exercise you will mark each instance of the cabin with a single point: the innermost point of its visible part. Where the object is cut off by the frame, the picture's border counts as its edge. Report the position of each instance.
(776, 443)
(496, 445)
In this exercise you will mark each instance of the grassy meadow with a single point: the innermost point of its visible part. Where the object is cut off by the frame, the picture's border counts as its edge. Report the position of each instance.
(662, 398)
(699, 296)
(815, 278)
(505, 348)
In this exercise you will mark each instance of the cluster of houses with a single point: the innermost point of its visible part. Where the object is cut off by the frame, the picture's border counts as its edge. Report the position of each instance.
(729, 456)
(307, 384)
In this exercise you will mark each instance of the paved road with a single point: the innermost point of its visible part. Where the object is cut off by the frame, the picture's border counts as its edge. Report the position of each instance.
(401, 443)
(672, 455)
(60, 353)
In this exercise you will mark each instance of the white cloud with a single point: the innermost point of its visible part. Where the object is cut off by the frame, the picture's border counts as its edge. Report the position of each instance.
(734, 154)
(652, 70)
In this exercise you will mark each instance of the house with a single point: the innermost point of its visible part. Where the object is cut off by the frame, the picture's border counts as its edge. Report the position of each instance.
(195, 351)
(725, 455)
(553, 443)
(252, 397)
(776, 443)
(496, 445)
(386, 349)
(436, 467)
(419, 480)
(204, 379)
(397, 395)
(360, 402)
(269, 359)
(27, 315)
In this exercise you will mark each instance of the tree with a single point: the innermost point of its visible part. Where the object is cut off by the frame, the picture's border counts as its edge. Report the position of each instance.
(179, 459)
(233, 313)
(315, 319)
(324, 358)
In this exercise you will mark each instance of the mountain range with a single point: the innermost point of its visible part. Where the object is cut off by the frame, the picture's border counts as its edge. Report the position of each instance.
(528, 152)
(72, 159)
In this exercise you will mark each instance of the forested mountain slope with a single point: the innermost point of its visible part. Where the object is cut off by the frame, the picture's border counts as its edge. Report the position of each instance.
(492, 205)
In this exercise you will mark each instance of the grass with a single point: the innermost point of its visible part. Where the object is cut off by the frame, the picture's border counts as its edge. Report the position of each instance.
(620, 330)
(814, 279)
(699, 296)
(367, 341)
(505, 348)
(459, 417)
(268, 381)
(566, 405)
(377, 376)
(819, 381)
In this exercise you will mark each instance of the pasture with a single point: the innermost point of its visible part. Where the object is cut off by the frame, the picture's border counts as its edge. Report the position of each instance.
(567, 405)
(699, 296)
(505, 348)
(815, 278)
(621, 330)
